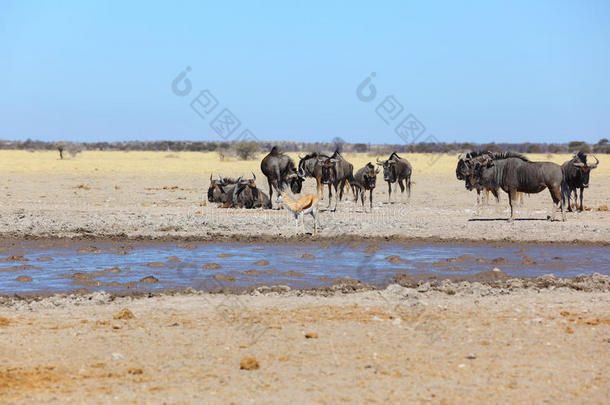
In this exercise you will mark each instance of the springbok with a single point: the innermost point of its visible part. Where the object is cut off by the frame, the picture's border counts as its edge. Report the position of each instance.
(307, 204)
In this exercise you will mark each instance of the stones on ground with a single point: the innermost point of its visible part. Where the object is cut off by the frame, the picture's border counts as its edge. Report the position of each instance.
(135, 371)
(155, 264)
(211, 266)
(471, 356)
(44, 259)
(173, 259)
(261, 262)
(24, 279)
(311, 335)
(249, 363)
(224, 255)
(292, 273)
(149, 280)
(499, 260)
(124, 314)
(423, 287)
(307, 256)
(116, 356)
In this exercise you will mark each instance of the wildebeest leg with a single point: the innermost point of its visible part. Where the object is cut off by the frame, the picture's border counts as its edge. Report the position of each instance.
(556, 196)
(270, 191)
(581, 206)
(389, 192)
(575, 199)
(521, 198)
(330, 194)
(512, 196)
(408, 181)
(339, 187)
(371, 199)
(402, 189)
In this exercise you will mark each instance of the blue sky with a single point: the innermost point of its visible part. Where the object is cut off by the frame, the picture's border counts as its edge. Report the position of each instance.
(482, 71)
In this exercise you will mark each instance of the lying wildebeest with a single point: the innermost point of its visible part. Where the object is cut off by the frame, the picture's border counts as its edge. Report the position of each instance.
(220, 190)
(576, 174)
(310, 166)
(464, 171)
(513, 172)
(365, 179)
(247, 195)
(280, 170)
(336, 172)
(395, 170)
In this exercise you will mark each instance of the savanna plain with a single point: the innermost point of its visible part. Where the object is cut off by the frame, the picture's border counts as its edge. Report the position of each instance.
(500, 340)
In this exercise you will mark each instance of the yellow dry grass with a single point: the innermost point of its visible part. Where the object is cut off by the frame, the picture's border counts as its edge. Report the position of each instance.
(150, 163)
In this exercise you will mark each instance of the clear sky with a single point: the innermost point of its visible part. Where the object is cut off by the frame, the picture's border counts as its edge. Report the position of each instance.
(469, 71)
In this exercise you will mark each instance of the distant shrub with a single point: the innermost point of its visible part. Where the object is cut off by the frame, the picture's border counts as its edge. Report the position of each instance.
(246, 150)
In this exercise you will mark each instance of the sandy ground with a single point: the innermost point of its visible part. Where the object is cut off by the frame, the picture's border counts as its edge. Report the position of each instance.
(398, 345)
(163, 195)
(457, 343)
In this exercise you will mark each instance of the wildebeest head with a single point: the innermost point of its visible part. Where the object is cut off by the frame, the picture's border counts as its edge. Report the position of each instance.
(217, 188)
(247, 188)
(370, 175)
(580, 162)
(328, 169)
(295, 179)
(389, 170)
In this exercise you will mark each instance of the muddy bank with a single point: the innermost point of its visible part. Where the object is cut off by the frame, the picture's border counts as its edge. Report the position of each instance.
(478, 286)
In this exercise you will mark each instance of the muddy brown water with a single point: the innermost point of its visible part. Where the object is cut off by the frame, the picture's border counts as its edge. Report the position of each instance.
(64, 266)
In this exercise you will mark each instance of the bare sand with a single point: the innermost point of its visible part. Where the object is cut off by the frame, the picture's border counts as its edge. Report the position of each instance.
(160, 195)
(398, 345)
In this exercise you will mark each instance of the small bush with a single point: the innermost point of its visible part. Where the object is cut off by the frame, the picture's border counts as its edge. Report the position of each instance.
(246, 150)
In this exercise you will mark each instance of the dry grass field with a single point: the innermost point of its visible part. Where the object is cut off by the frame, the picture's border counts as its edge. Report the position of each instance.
(163, 195)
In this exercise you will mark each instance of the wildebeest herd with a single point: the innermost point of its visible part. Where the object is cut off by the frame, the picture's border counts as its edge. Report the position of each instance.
(482, 171)
(514, 173)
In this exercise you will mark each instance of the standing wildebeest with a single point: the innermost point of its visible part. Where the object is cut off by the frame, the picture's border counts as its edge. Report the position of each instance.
(464, 171)
(310, 166)
(220, 190)
(395, 170)
(336, 172)
(365, 179)
(247, 195)
(576, 176)
(279, 170)
(513, 172)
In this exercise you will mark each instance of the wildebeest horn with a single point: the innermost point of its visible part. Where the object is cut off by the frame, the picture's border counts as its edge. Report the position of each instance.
(300, 172)
(300, 157)
(579, 164)
(377, 171)
(254, 176)
(210, 177)
(596, 163)
(379, 162)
